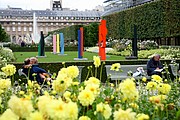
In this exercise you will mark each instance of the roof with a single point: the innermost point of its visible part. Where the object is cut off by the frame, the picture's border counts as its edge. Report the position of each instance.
(43, 13)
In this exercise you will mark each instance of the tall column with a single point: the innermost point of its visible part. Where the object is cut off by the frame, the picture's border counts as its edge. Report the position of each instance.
(57, 43)
(102, 39)
(62, 43)
(54, 44)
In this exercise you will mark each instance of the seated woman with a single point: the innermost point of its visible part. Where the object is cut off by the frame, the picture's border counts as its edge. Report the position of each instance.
(26, 66)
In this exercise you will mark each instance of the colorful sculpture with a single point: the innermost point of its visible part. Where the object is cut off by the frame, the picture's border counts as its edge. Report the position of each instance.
(62, 43)
(41, 47)
(54, 44)
(102, 39)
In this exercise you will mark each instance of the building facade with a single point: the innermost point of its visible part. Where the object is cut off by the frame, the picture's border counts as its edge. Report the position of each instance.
(18, 23)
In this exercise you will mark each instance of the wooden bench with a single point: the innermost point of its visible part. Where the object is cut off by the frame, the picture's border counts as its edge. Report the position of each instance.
(114, 75)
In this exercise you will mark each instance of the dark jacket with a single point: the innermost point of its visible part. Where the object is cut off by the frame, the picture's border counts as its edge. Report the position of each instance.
(152, 65)
(34, 69)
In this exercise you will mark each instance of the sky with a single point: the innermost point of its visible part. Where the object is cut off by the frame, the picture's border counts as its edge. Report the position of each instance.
(43, 4)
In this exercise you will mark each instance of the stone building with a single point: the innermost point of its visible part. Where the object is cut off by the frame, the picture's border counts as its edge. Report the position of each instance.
(18, 23)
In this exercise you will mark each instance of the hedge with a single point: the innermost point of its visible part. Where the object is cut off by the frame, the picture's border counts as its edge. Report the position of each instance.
(56, 66)
(158, 19)
(35, 49)
(71, 33)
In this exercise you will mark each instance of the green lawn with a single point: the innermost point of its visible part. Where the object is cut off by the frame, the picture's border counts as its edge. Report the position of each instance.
(20, 56)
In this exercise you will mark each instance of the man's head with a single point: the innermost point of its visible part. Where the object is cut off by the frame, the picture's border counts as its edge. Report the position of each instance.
(27, 61)
(156, 57)
(33, 60)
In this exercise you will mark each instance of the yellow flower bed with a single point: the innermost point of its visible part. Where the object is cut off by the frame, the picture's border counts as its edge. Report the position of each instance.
(67, 99)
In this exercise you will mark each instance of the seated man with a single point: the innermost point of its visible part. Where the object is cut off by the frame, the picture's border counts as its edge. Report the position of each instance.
(41, 74)
(154, 66)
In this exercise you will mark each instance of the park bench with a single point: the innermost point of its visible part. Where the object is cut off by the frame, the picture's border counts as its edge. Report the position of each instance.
(121, 75)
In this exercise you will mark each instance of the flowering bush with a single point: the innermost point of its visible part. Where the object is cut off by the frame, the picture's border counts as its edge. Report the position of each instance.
(67, 99)
(170, 53)
(7, 54)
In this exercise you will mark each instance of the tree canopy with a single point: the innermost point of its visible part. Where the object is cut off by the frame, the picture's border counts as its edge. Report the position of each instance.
(4, 37)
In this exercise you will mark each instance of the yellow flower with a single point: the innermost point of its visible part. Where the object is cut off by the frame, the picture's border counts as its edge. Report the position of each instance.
(86, 97)
(99, 107)
(128, 89)
(92, 80)
(72, 111)
(105, 109)
(115, 67)
(20, 106)
(35, 116)
(157, 99)
(42, 103)
(97, 61)
(144, 79)
(0, 101)
(72, 71)
(9, 70)
(5, 84)
(93, 88)
(124, 115)
(67, 96)
(151, 86)
(111, 84)
(134, 105)
(84, 118)
(164, 88)
(61, 83)
(156, 78)
(62, 71)
(9, 115)
(53, 92)
(75, 83)
(30, 84)
(56, 109)
(142, 117)
(21, 92)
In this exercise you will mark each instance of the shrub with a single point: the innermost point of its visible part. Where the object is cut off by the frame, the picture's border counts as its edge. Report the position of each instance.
(7, 54)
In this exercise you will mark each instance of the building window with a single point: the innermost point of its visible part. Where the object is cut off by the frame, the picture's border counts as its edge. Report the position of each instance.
(30, 28)
(62, 18)
(41, 29)
(57, 18)
(30, 23)
(13, 23)
(51, 23)
(13, 29)
(46, 29)
(19, 28)
(62, 23)
(56, 23)
(8, 28)
(19, 23)
(25, 29)
(77, 18)
(51, 18)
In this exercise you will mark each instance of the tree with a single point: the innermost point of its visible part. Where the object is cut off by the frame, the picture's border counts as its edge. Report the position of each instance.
(4, 37)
